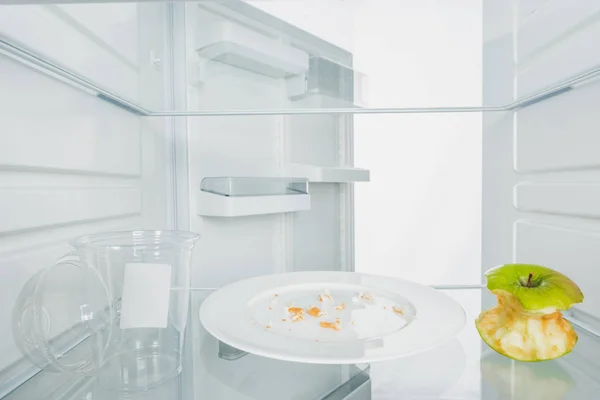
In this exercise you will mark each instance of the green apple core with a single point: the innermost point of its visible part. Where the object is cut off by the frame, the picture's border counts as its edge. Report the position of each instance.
(536, 287)
(530, 282)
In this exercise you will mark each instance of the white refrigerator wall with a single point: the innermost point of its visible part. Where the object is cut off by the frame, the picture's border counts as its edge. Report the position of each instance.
(72, 164)
(541, 171)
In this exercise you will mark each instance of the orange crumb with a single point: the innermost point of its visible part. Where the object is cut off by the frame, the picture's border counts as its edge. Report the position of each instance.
(314, 311)
(268, 326)
(270, 308)
(366, 297)
(283, 319)
(340, 307)
(397, 310)
(330, 325)
(276, 295)
(296, 313)
(296, 310)
(296, 318)
(323, 297)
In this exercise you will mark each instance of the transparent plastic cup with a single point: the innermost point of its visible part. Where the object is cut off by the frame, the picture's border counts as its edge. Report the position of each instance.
(116, 308)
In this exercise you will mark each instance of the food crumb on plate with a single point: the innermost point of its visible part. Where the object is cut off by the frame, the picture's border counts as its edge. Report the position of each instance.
(314, 311)
(397, 310)
(297, 313)
(330, 325)
(340, 307)
(295, 310)
(324, 296)
(362, 297)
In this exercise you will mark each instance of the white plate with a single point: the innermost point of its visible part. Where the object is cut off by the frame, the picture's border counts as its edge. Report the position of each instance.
(382, 318)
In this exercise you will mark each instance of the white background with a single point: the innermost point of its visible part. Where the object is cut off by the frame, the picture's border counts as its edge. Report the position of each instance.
(419, 217)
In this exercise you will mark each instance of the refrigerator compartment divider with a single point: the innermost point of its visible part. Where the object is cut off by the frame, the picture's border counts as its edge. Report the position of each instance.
(243, 196)
(241, 47)
(315, 173)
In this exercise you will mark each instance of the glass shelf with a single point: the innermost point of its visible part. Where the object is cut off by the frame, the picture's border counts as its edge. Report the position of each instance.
(208, 375)
(463, 368)
(466, 368)
(267, 58)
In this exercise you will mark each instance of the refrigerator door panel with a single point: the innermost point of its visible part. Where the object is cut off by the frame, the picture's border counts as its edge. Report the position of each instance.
(228, 44)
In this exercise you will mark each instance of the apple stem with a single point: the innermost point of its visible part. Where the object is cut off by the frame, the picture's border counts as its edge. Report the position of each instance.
(528, 284)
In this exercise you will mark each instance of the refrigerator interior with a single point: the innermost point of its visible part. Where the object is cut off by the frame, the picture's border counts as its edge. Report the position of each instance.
(242, 121)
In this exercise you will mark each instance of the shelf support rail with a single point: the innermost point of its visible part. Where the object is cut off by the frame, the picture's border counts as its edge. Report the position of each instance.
(34, 61)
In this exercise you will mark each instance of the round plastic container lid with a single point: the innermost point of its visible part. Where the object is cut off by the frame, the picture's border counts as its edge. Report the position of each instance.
(62, 318)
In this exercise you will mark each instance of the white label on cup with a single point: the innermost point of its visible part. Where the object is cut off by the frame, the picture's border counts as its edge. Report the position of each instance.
(145, 300)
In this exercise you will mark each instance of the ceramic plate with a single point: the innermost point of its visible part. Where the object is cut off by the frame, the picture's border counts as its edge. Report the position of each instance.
(331, 317)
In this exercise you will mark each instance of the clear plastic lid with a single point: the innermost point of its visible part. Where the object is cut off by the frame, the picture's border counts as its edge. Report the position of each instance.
(62, 317)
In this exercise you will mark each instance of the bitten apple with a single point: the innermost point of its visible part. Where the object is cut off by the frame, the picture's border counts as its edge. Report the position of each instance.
(527, 324)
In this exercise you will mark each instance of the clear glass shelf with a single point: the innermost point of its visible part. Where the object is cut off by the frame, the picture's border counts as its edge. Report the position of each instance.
(208, 375)
(463, 368)
(224, 58)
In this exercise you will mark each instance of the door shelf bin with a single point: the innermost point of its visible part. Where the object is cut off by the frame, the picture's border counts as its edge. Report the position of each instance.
(241, 196)
(333, 84)
(247, 49)
(315, 173)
